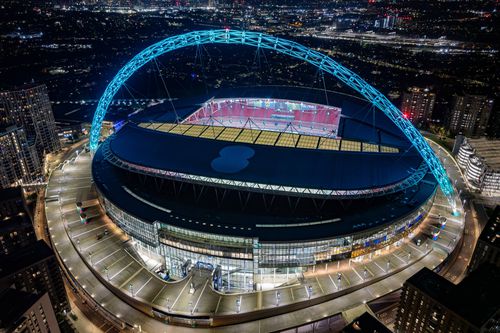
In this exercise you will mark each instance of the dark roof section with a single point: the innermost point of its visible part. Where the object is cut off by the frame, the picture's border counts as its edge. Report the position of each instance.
(475, 299)
(13, 305)
(16, 222)
(11, 193)
(491, 232)
(305, 168)
(431, 283)
(366, 323)
(111, 185)
(25, 257)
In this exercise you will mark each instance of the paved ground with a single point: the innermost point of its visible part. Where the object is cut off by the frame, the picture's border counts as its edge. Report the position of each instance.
(472, 226)
(89, 251)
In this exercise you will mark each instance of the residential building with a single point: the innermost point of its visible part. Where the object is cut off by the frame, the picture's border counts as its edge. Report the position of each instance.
(19, 161)
(26, 312)
(34, 269)
(16, 228)
(430, 303)
(30, 109)
(470, 115)
(488, 245)
(418, 104)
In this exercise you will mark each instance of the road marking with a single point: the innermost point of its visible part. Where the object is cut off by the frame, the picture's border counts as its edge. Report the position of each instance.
(448, 232)
(72, 222)
(291, 293)
(110, 245)
(75, 188)
(116, 261)
(88, 177)
(121, 270)
(218, 303)
(83, 233)
(137, 292)
(319, 284)
(404, 262)
(178, 296)
(199, 297)
(131, 277)
(154, 299)
(375, 262)
(332, 281)
(102, 240)
(410, 244)
(440, 205)
(360, 277)
(344, 277)
(109, 255)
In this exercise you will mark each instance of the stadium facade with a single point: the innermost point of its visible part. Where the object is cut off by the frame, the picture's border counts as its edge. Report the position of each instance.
(261, 184)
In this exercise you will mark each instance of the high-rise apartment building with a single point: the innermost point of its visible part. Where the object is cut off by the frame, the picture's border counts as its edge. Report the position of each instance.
(430, 303)
(19, 161)
(470, 114)
(30, 109)
(34, 269)
(488, 245)
(25, 312)
(418, 104)
(16, 228)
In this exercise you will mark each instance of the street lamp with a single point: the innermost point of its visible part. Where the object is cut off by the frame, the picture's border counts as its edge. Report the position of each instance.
(131, 288)
(238, 305)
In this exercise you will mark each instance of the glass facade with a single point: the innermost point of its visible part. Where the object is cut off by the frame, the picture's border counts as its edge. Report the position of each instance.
(246, 263)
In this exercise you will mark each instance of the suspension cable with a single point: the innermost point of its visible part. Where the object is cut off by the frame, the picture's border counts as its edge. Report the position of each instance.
(168, 93)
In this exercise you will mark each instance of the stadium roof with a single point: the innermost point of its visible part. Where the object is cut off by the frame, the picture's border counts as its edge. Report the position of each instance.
(150, 206)
(304, 168)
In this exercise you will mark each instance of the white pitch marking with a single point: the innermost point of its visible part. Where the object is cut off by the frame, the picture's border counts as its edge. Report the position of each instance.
(121, 270)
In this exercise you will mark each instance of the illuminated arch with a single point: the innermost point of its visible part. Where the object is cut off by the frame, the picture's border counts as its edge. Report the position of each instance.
(293, 49)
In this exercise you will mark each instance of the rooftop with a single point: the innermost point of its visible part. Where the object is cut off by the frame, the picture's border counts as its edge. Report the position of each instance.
(11, 193)
(28, 256)
(366, 323)
(262, 164)
(491, 232)
(142, 202)
(13, 304)
(487, 149)
(475, 299)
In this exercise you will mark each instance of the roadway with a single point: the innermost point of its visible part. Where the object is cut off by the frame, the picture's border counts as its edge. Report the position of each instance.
(457, 269)
(109, 266)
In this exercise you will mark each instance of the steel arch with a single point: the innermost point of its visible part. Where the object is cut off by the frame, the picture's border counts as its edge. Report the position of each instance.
(293, 49)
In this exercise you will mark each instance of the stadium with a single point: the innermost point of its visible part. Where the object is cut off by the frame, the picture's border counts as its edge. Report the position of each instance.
(259, 185)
